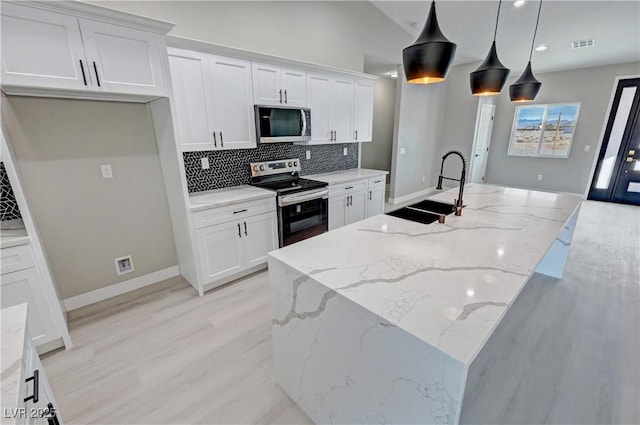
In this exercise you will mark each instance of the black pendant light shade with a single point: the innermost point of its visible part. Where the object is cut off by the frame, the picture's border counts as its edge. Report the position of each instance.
(428, 59)
(489, 78)
(491, 75)
(526, 88)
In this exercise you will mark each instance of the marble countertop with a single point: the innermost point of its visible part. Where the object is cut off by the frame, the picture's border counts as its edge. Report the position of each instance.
(227, 196)
(448, 284)
(338, 177)
(14, 327)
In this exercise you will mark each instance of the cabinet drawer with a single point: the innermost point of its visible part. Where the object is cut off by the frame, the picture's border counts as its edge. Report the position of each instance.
(349, 187)
(377, 181)
(16, 258)
(227, 213)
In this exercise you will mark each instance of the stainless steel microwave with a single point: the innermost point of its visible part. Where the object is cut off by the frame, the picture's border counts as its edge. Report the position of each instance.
(275, 124)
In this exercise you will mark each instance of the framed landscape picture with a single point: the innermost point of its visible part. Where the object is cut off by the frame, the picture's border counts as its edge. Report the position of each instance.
(544, 130)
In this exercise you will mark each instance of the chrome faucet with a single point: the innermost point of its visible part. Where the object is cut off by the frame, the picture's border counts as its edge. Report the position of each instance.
(457, 202)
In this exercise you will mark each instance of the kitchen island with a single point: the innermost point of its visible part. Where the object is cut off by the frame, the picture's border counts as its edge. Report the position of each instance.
(381, 321)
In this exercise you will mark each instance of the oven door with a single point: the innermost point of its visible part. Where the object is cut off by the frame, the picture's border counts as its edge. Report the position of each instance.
(303, 219)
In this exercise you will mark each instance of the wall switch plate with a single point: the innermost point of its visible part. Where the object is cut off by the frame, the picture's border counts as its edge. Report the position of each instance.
(402, 151)
(205, 163)
(345, 151)
(107, 172)
(539, 176)
(308, 155)
(124, 265)
(587, 148)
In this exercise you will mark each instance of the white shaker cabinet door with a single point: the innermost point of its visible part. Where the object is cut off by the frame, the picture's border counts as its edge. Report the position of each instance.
(342, 110)
(220, 250)
(266, 84)
(319, 101)
(192, 99)
(294, 86)
(356, 210)
(123, 60)
(260, 236)
(42, 49)
(26, 286)
(375, 201)
(363, 110)
(233, 112)
(337, 211)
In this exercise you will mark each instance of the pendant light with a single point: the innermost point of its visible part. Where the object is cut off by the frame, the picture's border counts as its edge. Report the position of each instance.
(489, 78)
(428, 59)
(527, 87)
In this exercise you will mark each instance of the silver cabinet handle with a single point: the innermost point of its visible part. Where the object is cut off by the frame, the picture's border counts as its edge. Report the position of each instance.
(348, 187)
(239, 231)
(280, 92)
(95, 69)
(240, 211)
(221, 140)
(215, 141)
(285, 97)
(84, 77)
(347, 199)
(369, 195)
(245, 228)
(356, 134)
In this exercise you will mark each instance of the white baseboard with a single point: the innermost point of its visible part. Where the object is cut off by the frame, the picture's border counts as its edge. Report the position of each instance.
(120, 288)
(411, 196)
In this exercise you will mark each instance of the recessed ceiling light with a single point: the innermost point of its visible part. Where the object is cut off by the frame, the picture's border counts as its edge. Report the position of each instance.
(541, 48)
(519, 3)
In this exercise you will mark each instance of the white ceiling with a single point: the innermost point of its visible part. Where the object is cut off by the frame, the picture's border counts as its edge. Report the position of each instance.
(615, 25)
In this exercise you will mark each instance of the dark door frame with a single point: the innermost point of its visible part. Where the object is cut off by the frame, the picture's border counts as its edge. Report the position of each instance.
(608, 194)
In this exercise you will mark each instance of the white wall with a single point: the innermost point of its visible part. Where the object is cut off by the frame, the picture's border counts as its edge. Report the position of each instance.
(419, 113)
(86, 221)
(334, 33)
(377, 154)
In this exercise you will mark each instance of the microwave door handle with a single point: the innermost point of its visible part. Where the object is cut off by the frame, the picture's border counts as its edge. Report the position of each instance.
(304, 122)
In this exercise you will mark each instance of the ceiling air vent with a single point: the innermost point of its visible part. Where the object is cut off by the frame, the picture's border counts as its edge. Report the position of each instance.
(581, 44)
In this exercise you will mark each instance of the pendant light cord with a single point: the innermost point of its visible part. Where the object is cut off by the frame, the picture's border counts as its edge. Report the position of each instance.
(535, 32)
(497, 18)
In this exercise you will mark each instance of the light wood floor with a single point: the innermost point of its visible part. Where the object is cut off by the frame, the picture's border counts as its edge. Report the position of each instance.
(172, 357)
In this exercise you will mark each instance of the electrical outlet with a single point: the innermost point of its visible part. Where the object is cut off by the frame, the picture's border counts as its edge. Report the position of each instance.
(345, 151)
(124, 265)
(107, 172)
(540, 177)
(308, 155)
(424, 179)
(587, 148)
(205, 163)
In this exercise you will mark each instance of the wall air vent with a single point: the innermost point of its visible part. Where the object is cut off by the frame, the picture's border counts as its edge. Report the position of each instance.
(581, 44)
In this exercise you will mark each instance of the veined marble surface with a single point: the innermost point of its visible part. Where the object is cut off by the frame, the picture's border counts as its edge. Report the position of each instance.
(14, 327)
(447, 284)
(227, 196)
(337, 177)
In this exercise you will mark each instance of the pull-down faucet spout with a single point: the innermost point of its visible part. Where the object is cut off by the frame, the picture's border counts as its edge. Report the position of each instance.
(457, 202)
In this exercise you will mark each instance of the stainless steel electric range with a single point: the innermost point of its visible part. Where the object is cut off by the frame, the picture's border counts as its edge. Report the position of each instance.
(303, 204)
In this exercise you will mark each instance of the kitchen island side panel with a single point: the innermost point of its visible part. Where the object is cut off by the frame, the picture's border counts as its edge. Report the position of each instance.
(344, 364)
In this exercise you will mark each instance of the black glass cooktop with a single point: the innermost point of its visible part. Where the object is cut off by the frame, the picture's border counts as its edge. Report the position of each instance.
(291, 185)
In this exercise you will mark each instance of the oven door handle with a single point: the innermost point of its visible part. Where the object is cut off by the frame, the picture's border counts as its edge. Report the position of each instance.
(290, 200)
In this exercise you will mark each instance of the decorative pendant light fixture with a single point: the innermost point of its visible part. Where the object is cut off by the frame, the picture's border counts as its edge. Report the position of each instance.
(489, 78)
(428, 59)
(526, 88)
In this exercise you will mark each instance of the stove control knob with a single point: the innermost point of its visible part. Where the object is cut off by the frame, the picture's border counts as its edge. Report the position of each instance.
(289, 164)
(262, 168)
(295, 163)
(255, 168)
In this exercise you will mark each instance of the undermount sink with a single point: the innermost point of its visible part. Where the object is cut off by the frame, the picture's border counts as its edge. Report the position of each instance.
(425, 212)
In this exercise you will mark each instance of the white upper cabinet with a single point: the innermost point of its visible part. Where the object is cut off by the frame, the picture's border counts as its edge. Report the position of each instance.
(57, 54)
(320, 102)
(276, 86)
(233, 112)
(342, 110)
(213, 101)
(41, 48)
(192, 99)
(363, 110)
(123, 60)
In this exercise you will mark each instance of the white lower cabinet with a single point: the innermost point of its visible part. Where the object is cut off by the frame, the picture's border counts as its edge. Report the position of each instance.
(26, 286)
(355, 201)
(237, 242)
